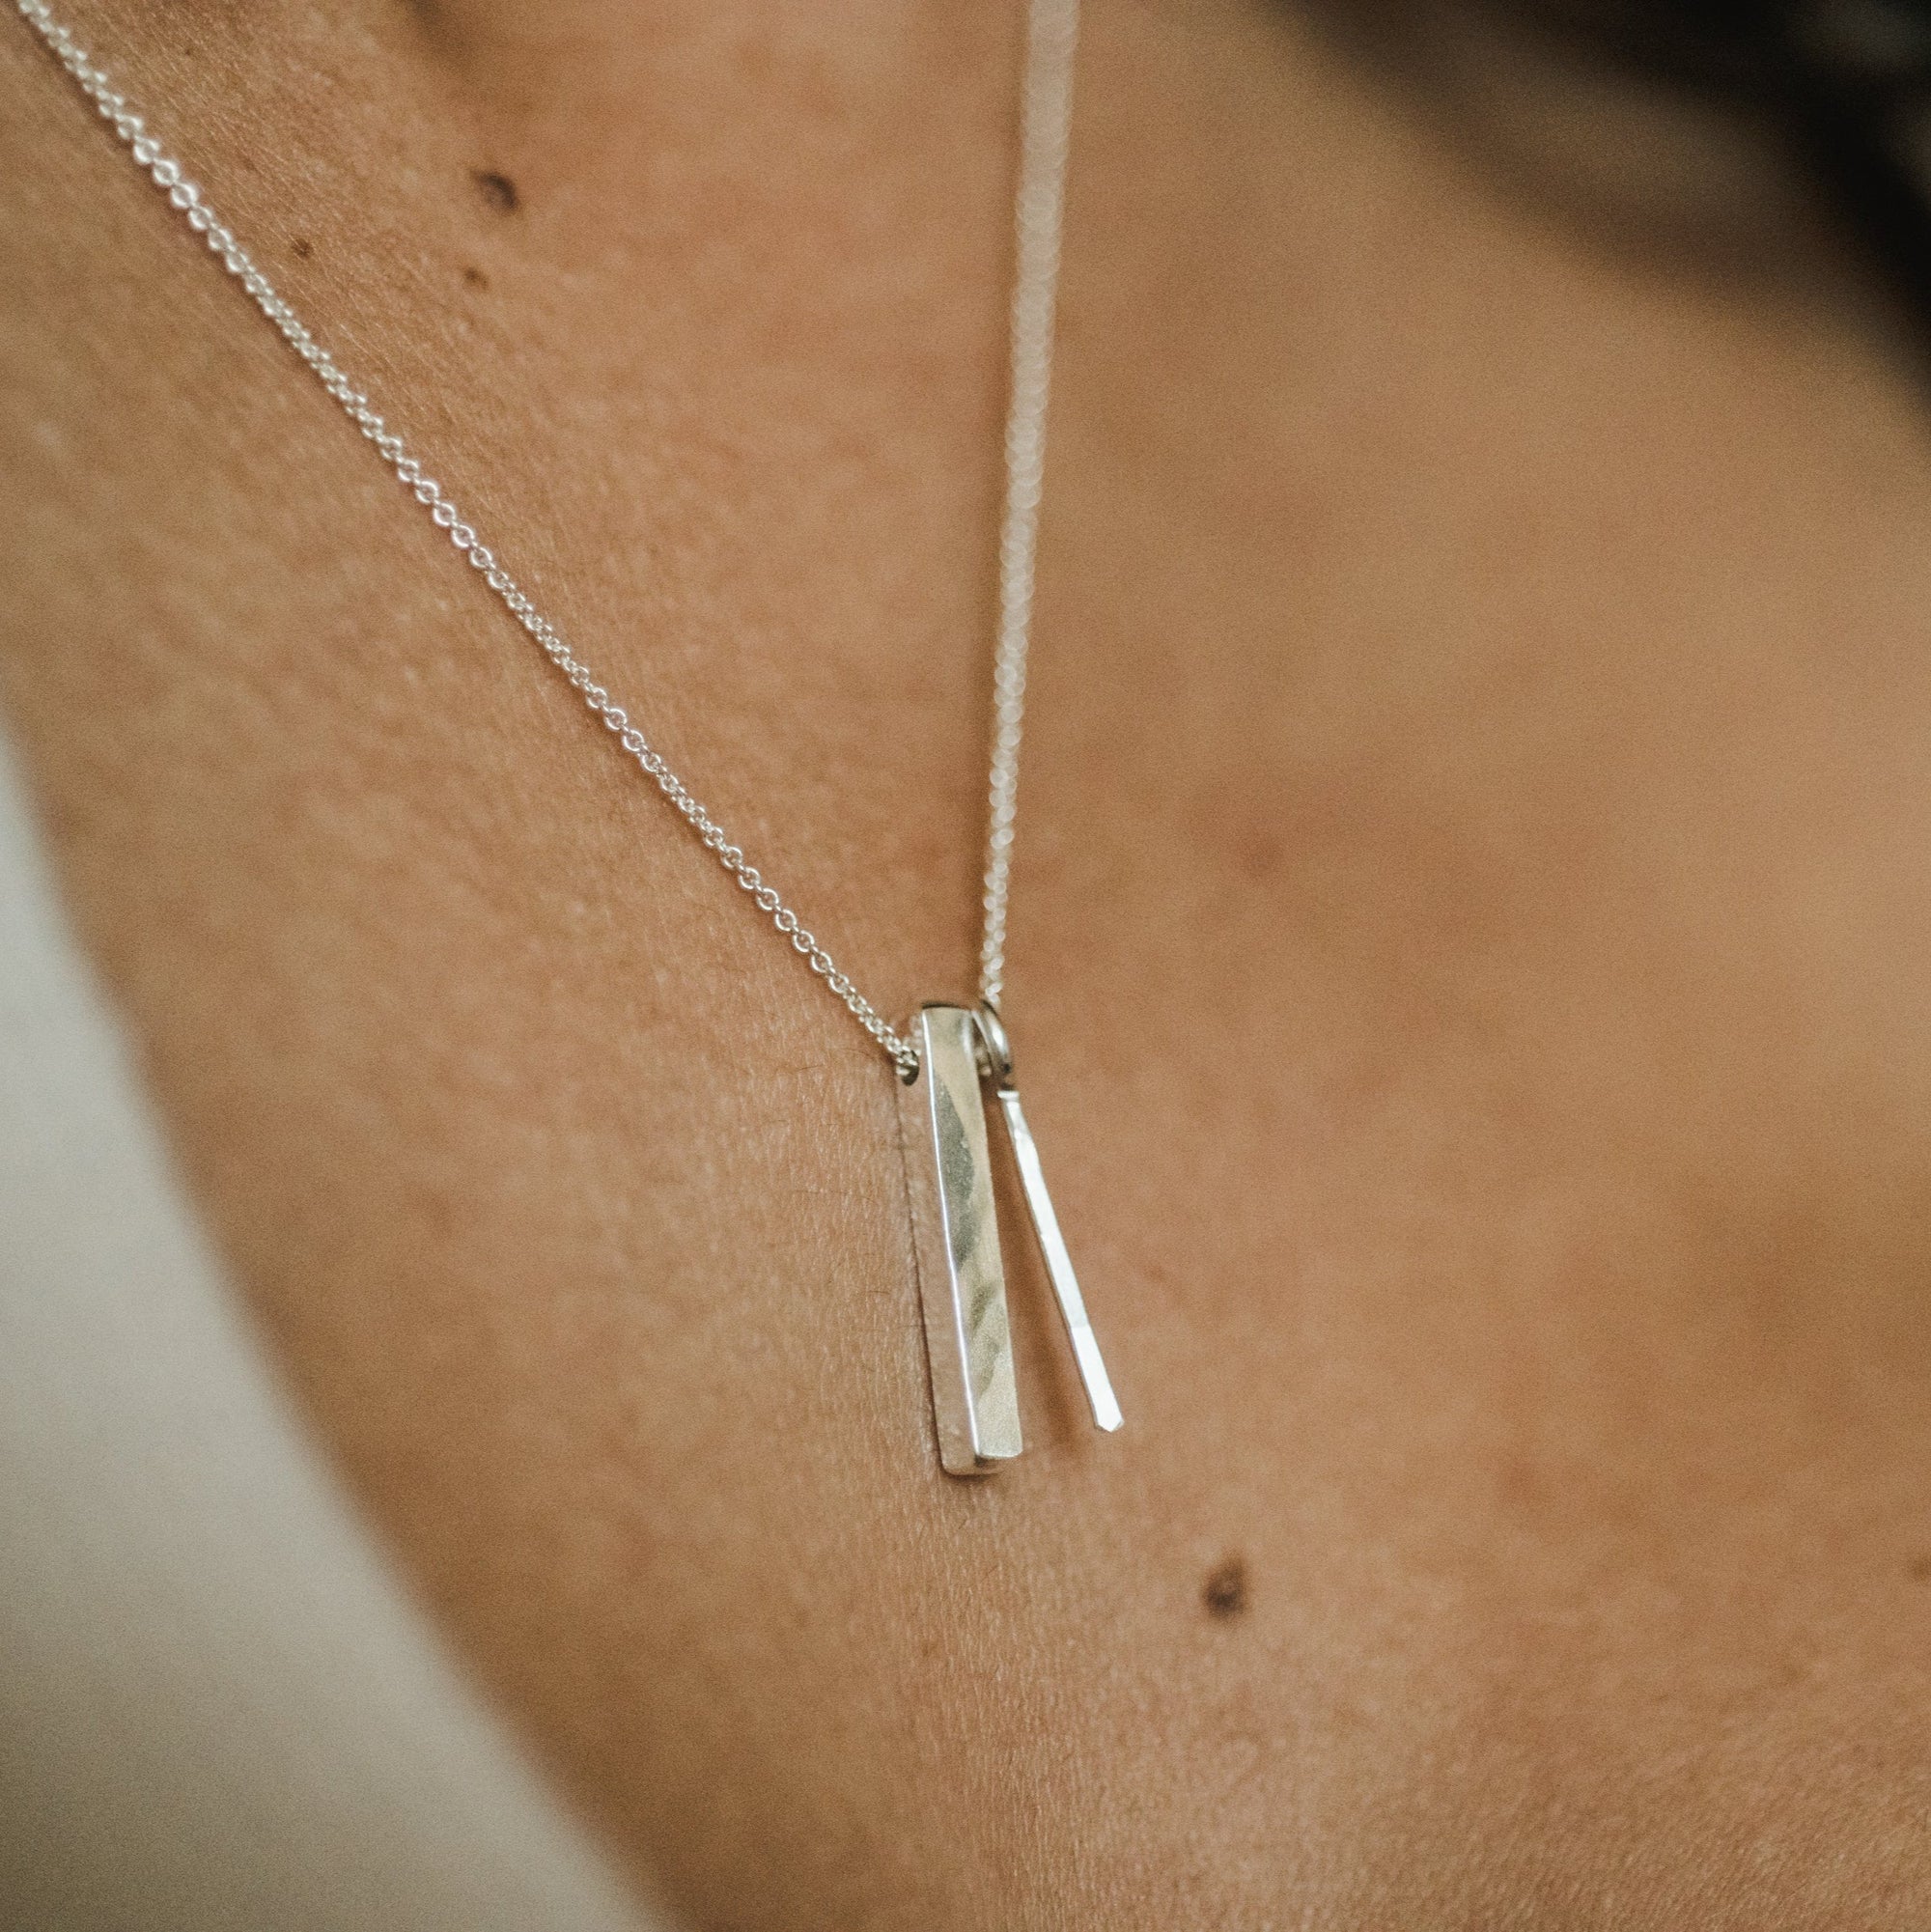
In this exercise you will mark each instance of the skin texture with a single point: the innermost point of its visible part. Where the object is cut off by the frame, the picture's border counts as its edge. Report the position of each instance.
(1467, 970)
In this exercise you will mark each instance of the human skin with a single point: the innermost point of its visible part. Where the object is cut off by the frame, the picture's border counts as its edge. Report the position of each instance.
(1470, 925)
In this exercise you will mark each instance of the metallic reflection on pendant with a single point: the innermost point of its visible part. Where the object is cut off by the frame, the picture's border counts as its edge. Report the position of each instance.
(1093, 1374)
(962, 1277)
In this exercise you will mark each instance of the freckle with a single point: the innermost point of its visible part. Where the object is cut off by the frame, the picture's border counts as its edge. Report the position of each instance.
(1918, 1569)
(303, 250)
(475, 277)
(1225, 1590)
(499, 190)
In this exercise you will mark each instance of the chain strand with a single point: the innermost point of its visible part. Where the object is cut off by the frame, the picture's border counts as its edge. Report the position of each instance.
(1044, 139)
(1053, 35)
(187, 199)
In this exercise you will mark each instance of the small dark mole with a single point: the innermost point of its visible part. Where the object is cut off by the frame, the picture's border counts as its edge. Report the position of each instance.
(499, 190)
(475, 277)
(1225, 1590)
(1918, 1569)
(303, 250)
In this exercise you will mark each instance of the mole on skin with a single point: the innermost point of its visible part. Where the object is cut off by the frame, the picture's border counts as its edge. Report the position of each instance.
(499, 190)
(1225, 1590)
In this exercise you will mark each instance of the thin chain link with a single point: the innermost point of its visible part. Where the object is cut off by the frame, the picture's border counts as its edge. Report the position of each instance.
(1049, 54)
(1052, 33)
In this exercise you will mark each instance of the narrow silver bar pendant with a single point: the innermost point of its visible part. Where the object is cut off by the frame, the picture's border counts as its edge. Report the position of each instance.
(962, 1281)
(1058, 1263)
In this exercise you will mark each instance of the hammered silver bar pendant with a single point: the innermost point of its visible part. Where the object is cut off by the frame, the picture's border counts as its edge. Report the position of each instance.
(962, 1277)
(962, 1282)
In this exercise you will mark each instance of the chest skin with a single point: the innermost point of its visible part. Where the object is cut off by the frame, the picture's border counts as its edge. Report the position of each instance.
(1466, 965)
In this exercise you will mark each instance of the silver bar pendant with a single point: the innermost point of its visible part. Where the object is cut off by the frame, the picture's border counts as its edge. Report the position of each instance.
(1058, 1263)
(955, 1229)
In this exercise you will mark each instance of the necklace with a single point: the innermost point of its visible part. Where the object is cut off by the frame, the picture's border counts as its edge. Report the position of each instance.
(947, 1055)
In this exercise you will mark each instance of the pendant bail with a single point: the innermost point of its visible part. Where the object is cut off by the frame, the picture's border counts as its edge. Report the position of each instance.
(995, 1059)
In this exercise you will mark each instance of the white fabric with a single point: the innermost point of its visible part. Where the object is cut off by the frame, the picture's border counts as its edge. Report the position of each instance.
(218, 1708)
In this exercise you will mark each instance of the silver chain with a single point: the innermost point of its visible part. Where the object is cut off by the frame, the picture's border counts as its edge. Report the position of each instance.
(1046, 115)
(1051, 34)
